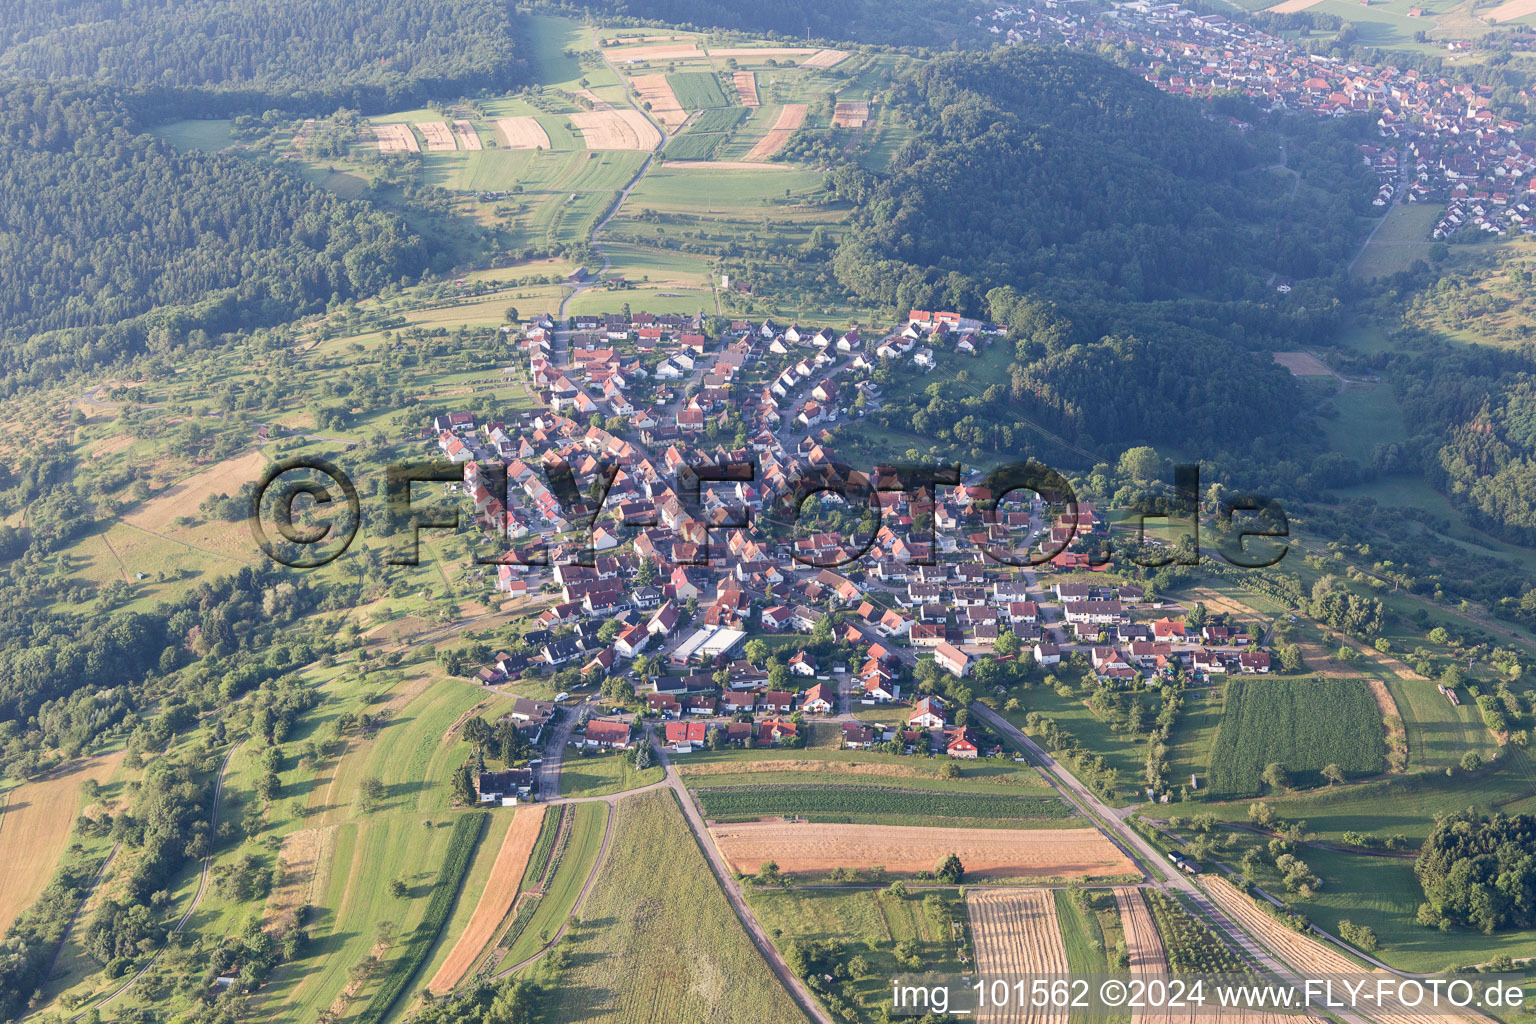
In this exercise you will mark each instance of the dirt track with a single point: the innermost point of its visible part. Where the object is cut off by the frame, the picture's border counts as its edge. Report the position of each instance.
(815, 848)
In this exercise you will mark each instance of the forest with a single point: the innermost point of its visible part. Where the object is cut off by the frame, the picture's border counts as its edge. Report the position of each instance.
(1479, 872)
(116, 243)
(305, 55)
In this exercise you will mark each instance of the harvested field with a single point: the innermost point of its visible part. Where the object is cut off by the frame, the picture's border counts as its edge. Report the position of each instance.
(396, 138)
(495, 900)
(439, 136)
(746, 88)
(1511, 10)
(299, 860)
(656, 91)
(1016, 933)
(674, 51)
(851, 114)
(765, 51)
(1292, 6)
(824, 59)
(1303, 364)
(616, 129)
(469, 139)
(788, 121)
(907, 849)
(522, 133)
(35, 824)
(184, 497)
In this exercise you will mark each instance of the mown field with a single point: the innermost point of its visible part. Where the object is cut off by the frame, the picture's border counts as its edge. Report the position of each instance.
(602, 774)
(1304, 724)
(566, 869)
(657, 940)
(881, 805)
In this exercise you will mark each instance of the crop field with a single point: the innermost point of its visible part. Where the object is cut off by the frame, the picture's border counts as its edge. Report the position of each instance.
(696, 90)
(717, 119)
(396, 138)
(803, 774)
(466, 136)
(790, 118)
(655, 92)
(694, 145)
(439, 136)
(1016, 933)
(495, 900)
(746, 88)
(870, 768)
(616, 129)
(672, 952)
(851, 114)
(522, 133)
(881, 804)
(36, 819)
(550, 897)
(1305, 724)
(871, 923)
(813, 849)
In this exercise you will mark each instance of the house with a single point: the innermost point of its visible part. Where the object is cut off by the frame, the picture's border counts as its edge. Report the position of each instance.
(738, 701)
(663, 704)
(777, 701)
(858, 737)
(820, 699)
(607, 734)
(952, 659)
(1047, 654)
(960, 742)
(631, 641)
(682, 737)
(927, 713)
(505, 788)
(803, 664)
(1250, 662)
(773, 731)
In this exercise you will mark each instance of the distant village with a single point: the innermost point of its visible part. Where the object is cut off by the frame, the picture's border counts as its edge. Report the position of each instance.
(1443, 142)
(655, 571)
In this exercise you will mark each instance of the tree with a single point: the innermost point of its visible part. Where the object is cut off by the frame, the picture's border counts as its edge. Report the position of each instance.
(756, 651)
(645, 573)
(643, 755)
(1276, 776)
(512, 315)
(950, 770)
(950, 871)
(1141, 464)
(1471, 761)
(1006, 645)
(398, 889)
(464, 785)
(1333, 773)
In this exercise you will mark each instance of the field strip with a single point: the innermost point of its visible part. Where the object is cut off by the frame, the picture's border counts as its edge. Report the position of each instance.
(656, 93)
(851, 114)
(299, 861)
(495, 899)
(746, 88)
(1511, 10)
(788, 121)
(396, 138)
(1145, 948)
(723, 165)
(1017, 933)
(674, 51)
(468, 138)
(1292, 6)
(35, 828)
(765, 51)
(825, 59)
(522, 133)
(814, 848)
(1306, 956)
(616, 129)
(439, 137)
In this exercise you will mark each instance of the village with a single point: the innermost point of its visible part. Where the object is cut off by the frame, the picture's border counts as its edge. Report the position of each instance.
(664, 582)
(1443, 142)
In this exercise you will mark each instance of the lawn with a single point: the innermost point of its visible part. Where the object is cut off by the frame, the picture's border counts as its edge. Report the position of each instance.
(1304, 724)
(881, 805)
(604, 774)
(647, 951)
(872, 925)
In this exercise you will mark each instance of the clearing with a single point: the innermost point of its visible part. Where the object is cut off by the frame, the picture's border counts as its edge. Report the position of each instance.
(808, 848)
(616, 129)
(300, 861)
(789, 120)
(35, 822)
(1303, 364)
(184, 497)
(495, 899)
(1017, 933)
(656, 95)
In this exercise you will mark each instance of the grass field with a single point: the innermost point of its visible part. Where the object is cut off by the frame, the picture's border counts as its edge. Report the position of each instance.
(673, 952)
(1368, 415)
(571, 872)
(871, 925)
(881, 805)
(1405, 235)
(602, 774)
(1084, 940)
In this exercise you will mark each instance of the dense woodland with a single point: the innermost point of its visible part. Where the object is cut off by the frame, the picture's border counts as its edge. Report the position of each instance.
(298, 54)
(116, 243)
(1479, 873)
